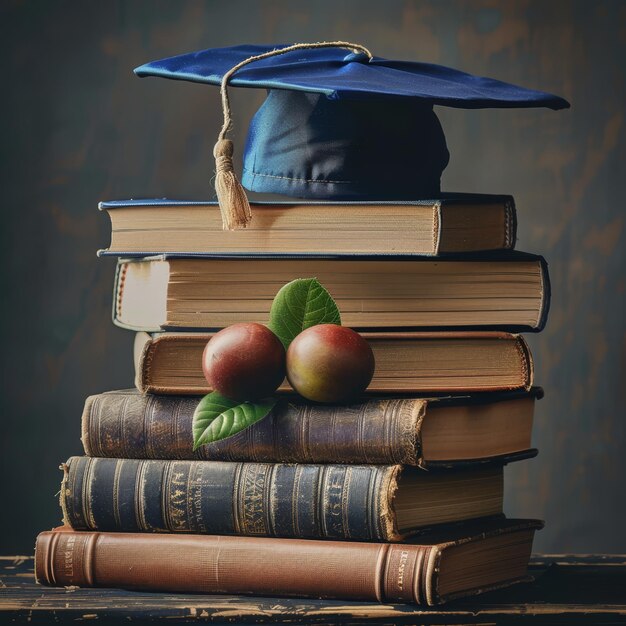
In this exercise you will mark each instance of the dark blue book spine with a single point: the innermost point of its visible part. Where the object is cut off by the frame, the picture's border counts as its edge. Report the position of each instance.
(221, 498)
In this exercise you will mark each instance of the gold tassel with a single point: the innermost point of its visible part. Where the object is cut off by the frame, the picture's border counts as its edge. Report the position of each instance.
(232, 198)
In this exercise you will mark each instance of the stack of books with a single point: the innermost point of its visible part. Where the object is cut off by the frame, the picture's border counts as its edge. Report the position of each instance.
(398, 498)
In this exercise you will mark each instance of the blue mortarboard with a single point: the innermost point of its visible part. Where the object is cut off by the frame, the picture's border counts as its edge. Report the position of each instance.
(337, 122)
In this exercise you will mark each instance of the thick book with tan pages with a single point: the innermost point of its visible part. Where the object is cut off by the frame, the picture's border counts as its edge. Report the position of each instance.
(452, 223)
(505, 291)
(425, 432)
(406, 362)
(357, 502)
(464, 561)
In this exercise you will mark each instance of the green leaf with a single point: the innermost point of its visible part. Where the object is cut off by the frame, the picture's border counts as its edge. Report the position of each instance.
(300, 304)
(217, 417)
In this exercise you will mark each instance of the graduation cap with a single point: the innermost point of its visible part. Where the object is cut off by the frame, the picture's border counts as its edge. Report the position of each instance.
(337, 123)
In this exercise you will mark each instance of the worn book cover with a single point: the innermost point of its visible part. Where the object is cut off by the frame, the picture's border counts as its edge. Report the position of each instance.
(357, 502)
(426, 432)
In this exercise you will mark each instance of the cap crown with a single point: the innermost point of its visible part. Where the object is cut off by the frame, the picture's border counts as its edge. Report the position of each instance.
(309, 146)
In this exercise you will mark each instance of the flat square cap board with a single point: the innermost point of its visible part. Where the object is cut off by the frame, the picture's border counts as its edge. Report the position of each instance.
(339, 123)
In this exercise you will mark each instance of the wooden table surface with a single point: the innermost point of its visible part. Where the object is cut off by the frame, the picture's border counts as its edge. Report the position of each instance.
(567, 590)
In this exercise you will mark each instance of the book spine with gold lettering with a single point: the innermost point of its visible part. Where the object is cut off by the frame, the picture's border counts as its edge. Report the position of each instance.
(126, 424)
(310, 501)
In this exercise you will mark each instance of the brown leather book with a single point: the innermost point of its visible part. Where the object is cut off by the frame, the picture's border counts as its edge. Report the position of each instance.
(460, 562)
(406, 362)
(354, 502)
(453, 223)
(508, 292)
(413, 431)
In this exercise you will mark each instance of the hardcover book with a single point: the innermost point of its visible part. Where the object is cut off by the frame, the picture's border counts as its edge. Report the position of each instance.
(406, 362)
(505, 291)
(452, 223)
(442, 566)
(359, 502)
(426, 432)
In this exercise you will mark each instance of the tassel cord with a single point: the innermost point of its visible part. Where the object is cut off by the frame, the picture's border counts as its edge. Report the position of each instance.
(278, 51)
(234, 205)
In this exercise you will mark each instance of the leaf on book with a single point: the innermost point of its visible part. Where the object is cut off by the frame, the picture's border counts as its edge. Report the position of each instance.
(300, 304)
(217, 417)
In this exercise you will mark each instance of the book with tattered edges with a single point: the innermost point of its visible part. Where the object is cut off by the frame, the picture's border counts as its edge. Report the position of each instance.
(427, 432)
(317, 501)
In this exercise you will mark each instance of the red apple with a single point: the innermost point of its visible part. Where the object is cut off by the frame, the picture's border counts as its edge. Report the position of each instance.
(244, 362)
(329, 363)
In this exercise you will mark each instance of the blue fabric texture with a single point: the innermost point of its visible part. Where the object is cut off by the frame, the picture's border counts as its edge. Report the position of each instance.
(336, 125)
(337, 73)
(305, 145)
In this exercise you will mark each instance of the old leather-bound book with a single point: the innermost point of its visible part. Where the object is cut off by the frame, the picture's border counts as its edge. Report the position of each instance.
(359, 502)
(506, 291)
(452, 223)
(467, 560)
(406, 362)
(413, 431)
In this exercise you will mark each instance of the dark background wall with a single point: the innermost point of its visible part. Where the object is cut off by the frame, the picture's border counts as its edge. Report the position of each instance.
(78, 127)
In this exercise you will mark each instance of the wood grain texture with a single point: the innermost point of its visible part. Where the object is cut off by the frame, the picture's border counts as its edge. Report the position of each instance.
(78, 127)
(567, 590)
